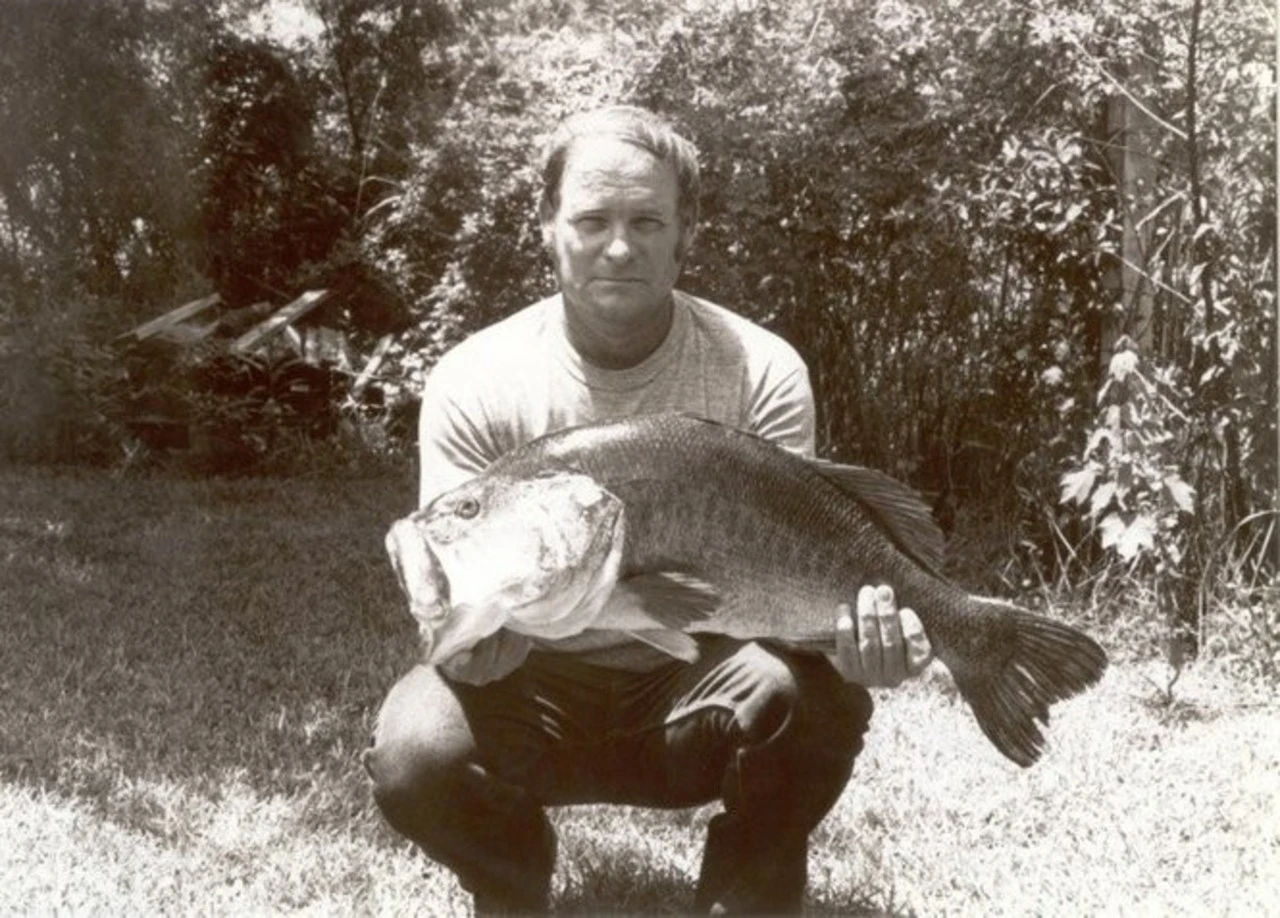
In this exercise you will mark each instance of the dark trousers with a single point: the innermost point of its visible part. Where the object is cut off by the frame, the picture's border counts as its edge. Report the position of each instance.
(466, 771)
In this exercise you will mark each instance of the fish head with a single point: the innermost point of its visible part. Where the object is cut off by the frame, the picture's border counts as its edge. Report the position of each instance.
(420, 575)
(502, 551)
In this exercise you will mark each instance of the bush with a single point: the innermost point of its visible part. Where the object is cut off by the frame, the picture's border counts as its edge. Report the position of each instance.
(58, 387)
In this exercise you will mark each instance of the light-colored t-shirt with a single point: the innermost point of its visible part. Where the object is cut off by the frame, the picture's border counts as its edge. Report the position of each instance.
(520, 378)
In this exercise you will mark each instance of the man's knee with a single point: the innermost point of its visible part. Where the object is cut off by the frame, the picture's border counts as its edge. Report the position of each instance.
(802, 724)
(801, 696)
(431, 788)
(421, 744)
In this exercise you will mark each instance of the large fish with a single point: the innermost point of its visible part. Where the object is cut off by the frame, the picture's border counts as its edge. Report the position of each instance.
(670, 524)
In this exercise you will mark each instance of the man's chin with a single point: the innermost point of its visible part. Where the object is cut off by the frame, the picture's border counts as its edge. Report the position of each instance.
(622, 301)
(621, 292)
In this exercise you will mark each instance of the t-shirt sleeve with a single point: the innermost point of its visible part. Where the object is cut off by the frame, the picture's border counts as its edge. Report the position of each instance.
(455, 437)
(781, 407)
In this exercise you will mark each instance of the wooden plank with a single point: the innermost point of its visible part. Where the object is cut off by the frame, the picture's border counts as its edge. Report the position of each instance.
(173, 317)
(278, 320)
(295, 339)
(371, 367)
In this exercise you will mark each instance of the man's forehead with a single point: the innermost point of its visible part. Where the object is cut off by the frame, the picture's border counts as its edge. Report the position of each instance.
(614, 166)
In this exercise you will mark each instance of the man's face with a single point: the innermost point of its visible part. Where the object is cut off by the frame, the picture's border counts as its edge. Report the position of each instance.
(616, 233)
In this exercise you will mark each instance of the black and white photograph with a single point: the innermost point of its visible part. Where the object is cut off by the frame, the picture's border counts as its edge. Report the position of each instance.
(639, 457)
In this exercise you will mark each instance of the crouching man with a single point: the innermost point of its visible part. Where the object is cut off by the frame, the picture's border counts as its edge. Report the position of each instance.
(467, 757)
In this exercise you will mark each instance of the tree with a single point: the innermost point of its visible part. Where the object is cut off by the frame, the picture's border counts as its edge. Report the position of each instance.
(85, 183)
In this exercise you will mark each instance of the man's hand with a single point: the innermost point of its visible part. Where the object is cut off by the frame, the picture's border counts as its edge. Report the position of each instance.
(882, 645)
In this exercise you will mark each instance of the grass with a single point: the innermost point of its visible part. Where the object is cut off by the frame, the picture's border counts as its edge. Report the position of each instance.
(189, 670)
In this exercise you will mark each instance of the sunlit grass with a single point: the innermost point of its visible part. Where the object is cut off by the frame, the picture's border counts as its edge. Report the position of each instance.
(189, 671)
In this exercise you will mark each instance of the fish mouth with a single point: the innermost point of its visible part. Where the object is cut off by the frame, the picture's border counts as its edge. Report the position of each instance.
(421, 579)
(463, 629)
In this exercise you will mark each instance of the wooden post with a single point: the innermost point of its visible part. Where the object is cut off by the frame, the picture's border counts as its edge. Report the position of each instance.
(1130, 140)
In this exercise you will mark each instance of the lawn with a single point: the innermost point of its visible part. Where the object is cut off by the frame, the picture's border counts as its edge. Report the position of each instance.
(189, 670)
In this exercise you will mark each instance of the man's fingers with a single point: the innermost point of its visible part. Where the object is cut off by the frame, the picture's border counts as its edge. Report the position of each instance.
(847, 643)
(893, 666)
(880, 644)
(869, 645)
(919, 650)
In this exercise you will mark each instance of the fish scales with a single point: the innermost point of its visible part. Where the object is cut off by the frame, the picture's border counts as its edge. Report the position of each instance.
(784, 540)
(760, 523)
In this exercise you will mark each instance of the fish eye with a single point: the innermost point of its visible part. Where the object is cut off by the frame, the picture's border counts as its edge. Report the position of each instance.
(467, 508)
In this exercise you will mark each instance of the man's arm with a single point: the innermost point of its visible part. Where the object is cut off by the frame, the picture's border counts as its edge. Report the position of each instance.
(782, 410)
(453, 442)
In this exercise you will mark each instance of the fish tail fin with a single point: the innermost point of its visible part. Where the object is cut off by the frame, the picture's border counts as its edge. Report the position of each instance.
(1038, 662)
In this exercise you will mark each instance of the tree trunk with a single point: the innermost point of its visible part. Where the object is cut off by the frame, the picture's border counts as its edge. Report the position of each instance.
(1131, 142)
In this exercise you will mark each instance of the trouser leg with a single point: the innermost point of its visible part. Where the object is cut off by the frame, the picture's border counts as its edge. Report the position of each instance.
(431, 786)
(798, 731)
(772, 733)
(465, 771)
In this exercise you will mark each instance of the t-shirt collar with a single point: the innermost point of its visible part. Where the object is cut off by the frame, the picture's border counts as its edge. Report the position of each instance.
(645, 371)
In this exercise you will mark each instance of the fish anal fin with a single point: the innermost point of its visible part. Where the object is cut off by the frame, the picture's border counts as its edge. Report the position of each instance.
(896, 507)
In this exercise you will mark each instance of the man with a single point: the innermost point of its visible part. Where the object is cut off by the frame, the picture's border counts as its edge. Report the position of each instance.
(466, 758)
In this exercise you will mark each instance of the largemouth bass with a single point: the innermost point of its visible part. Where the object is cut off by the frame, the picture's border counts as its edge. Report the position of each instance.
(683, 525)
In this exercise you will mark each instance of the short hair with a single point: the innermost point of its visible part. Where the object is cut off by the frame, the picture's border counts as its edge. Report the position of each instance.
(631, 124)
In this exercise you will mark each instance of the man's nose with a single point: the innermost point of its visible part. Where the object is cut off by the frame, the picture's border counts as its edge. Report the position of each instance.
(619, 246)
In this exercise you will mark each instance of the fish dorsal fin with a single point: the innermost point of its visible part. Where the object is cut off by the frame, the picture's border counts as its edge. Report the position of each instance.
(673, 643)
(659, 599)
(895, 507)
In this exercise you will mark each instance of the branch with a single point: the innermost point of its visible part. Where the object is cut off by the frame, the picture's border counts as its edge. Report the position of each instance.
(1172, 128)
(1154, 280)
(1193, 167)
(1155, 211)
(344, 80)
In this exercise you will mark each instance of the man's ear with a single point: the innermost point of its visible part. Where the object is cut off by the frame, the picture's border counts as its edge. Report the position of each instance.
(688, 233)
(546, 223)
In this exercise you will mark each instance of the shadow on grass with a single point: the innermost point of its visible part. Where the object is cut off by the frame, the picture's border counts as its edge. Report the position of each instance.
(165, 631)
(673, 895)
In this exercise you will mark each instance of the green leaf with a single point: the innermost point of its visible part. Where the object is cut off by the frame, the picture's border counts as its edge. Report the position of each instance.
(1097, 437)
(1112, 528)
(1122, 364)
(1129, 539)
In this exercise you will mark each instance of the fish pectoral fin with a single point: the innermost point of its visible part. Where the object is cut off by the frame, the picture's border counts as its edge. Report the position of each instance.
(673, 643)
(669, 598)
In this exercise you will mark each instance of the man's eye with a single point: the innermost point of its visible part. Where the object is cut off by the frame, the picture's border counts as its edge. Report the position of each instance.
(589, 224)
(650, 224)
